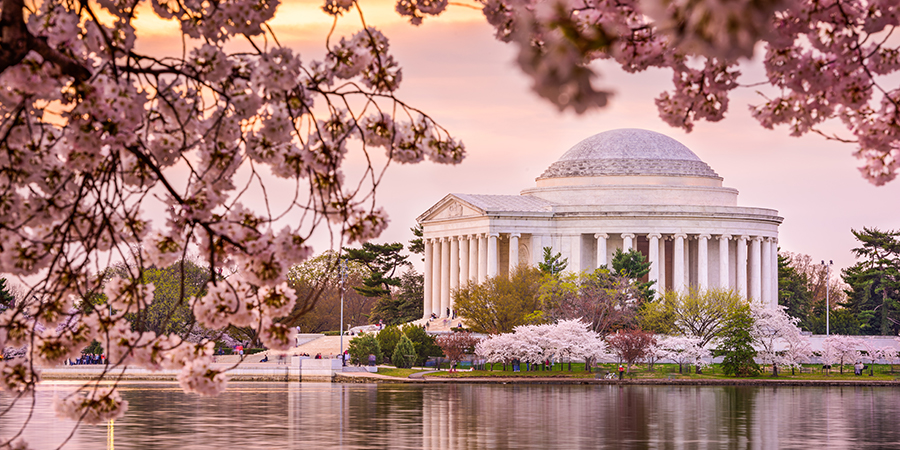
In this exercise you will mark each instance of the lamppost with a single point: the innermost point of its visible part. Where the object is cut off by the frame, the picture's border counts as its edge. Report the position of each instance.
(343, 277)
(827, 304)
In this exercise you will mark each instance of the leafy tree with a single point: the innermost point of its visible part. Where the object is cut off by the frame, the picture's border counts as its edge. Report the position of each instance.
(552, 264)
(383, 261)
(874, 294)
(173, 288)
(317, 283)
(794, 293)
(457, 345)
(630, 345)
(607, 301)
(633, 265)
(694, 313)
(406, 302)
(404, 355)
(417, 243)
(423, 342)
(500, 304)
(388, 338)
(736, 344)
(362, 346)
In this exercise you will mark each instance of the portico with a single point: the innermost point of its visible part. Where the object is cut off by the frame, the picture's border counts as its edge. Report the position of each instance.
(622, 189)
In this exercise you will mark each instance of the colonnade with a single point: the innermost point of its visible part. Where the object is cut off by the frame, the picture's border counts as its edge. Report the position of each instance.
(746, 263)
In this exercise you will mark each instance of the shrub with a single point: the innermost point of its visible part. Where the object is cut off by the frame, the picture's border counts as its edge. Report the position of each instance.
(424, 343)
(404, 355)
(362, 346)
(388, 339)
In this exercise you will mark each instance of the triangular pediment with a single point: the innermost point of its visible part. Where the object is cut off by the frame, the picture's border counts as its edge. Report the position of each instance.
(450, 207)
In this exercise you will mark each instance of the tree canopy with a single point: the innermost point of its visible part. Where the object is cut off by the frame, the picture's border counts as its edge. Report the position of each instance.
(553, 264)
(704, 315)
(383, 261)
(874, 281)
(633, 265)
(500, 304)
(605, 300)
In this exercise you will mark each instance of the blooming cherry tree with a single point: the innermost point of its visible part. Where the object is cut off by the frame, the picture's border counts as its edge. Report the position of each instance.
(774, 329)
(95, 134)
(685, 350)
(840, 350)
(828, 63)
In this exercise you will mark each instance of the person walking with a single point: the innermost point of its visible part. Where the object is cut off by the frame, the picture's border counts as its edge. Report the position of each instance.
(621, 371)
(371, 360)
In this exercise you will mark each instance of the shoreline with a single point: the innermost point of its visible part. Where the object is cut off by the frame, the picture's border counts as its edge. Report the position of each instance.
(343, 378)
(282, 375)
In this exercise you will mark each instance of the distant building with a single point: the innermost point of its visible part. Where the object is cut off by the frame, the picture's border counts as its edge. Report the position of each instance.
(620, 189)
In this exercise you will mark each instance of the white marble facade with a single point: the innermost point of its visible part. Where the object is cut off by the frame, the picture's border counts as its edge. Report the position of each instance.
(619, 189)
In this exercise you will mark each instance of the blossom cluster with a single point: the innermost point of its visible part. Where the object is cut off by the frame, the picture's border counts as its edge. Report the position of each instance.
(93, 132)
(565, 340)
(831, 62)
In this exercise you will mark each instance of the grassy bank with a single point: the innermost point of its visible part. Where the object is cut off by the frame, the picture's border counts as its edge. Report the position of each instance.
(670, 371)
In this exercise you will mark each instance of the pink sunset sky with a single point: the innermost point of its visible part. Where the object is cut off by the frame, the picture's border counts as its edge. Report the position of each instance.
(456, 71)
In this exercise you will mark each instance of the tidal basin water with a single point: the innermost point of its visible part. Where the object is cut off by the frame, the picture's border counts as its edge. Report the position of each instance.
(474, 416)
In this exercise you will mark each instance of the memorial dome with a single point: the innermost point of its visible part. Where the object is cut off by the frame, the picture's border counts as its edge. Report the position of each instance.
(629, 151)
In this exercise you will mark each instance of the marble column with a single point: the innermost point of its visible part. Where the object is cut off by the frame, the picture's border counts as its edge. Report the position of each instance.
(653, 249)
(774, 273)
(679, 272)
(627, 241)
(436, 275)
(601, 248)
(454, 267)
(493, 262)
(473, 258)
(575, 255)
(429, 277)
(662, 264)
(482, 258)
(741, 279)
(463, 260)
(513, 251)
(537, 252)
(766, 272)
(445, 275)
(724, 262)
(755, 262)
(703, 261)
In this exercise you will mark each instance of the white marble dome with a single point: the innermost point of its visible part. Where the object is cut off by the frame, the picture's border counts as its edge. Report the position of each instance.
(629, 151)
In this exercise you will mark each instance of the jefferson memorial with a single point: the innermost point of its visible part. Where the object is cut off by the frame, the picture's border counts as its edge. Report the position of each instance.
(621, 189)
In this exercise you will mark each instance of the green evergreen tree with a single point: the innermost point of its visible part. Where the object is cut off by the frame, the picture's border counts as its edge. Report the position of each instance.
(404, 355)
(388, 338)
(361, 347)
(737, 345)
(405, 304)
(383, 261)
(794, 294)
(423, 342)
(632, 264)
(417, 243)
(874, 294)
(553, 264)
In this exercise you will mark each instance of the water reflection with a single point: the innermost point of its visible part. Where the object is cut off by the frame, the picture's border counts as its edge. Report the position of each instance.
(311, 415)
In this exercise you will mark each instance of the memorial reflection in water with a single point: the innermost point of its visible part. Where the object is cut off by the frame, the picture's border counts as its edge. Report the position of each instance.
(464, 416)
